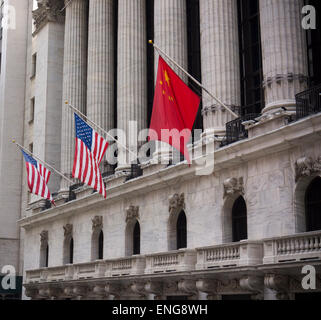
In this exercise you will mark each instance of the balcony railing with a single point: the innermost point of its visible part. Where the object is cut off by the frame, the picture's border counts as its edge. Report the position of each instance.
(243, 253)
(235, 131)
(308, 102)
(301, 247)
(175, 261)
(297, 248)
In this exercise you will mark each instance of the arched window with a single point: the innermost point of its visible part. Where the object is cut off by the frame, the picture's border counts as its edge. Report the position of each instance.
(71, 251)
(68, 257)
(44, 249)
(313, 205)
(239, 220)
(136, 239)
(97, 245)
(101, 245)
(44, 255)
(181, 231)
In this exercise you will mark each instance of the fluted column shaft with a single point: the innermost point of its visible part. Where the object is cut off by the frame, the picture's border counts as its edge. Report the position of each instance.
(100, 86)
(170, 34)
(74, 79)
(284, 52)
(132, 69)
(220, 62)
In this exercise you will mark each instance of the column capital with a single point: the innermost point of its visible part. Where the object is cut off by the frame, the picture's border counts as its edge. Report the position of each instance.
(48, 11)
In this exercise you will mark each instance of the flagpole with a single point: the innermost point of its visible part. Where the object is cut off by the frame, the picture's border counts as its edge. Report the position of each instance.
(45, 163)
(190, 76)
(98, 127)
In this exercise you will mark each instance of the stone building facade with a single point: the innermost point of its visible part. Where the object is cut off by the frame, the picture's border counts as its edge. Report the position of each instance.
(240, 223)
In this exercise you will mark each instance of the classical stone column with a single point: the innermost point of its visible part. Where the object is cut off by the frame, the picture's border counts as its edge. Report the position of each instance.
(170, 34)
(132, 74)
(74, 80)
(100, 85)
(220, 62)
(284, 52)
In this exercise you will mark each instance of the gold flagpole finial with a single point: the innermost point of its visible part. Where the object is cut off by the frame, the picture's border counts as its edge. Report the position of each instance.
(66, 102)
(13, 140)
(150, 41)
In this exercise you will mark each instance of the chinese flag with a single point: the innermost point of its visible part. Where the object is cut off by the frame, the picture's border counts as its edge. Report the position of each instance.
(175, 107)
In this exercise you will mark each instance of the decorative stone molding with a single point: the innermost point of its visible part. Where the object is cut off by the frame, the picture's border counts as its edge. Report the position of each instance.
(132, 213)
(230, 286)
(208, 286)
(187, 286)
(113, 289)
(176, 203)
(155, 288)
(98, 290)
(68, 230)
(44, 237)
(32, 293)
(80, 291)
(290, 77)
(97, 223)
(138, 288)
(252, 283)
(306, 167)
(232, 186)
(48, 11)
(279, 283)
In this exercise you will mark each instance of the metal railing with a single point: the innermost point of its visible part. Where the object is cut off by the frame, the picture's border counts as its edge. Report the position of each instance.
(308, 102)
(235, 131)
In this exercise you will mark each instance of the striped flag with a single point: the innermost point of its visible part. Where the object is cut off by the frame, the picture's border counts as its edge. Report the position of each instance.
(38, 177)
(89, 151)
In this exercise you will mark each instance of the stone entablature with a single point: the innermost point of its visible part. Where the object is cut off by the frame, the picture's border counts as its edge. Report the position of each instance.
(48, 11)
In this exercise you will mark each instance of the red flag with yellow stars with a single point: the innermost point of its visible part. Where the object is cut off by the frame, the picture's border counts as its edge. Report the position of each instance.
(175, 107)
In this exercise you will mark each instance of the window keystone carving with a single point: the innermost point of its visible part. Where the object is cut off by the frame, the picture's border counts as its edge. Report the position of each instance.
(176, 203)
(68, 230)
(132, 213)
(97, 223)
(306, 167)
(232, 186)
(44, 236)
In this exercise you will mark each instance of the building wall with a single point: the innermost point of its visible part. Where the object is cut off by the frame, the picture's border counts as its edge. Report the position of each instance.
(12, 95)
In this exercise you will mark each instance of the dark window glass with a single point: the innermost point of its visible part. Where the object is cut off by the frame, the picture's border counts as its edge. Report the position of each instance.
(313, 205)
(71, 251)
(239, 220)
(314, 46)
(136, 239)
(181, 231)
(101, 246)
(47, 256)
(194, 53)
(250, 57)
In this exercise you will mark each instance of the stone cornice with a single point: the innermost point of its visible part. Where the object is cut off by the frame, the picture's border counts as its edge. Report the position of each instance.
(48, 11)
(278, 140)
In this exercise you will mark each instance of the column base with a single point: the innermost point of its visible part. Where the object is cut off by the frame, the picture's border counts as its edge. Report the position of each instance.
(286, 105)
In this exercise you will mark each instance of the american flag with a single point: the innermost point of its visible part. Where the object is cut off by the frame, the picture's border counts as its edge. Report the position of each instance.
(38, 177)
(89, 151)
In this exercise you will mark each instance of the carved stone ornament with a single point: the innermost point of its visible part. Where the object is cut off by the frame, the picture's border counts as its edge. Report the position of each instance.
(306, 167)
(68, 230)
(279, 283)
(44, 236)
(155, 288)
(187, 286)
(252, 284)
(176, 203)
(232, 186)
(132, 213)
(48, 11)
(208, 286)
(97, 223)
